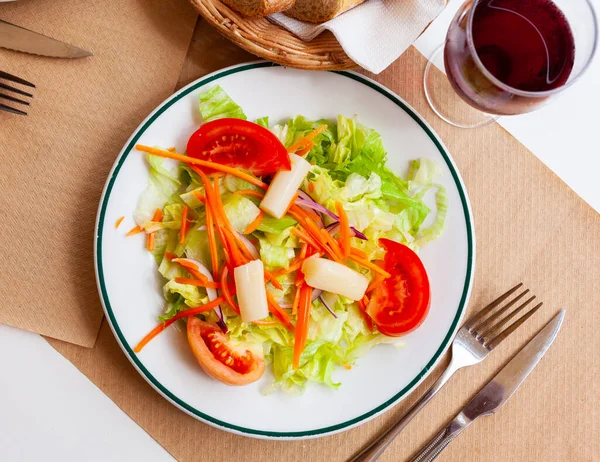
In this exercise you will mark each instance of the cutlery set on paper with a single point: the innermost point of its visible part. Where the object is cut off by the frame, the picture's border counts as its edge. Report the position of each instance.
(483, 331)
(18, 38)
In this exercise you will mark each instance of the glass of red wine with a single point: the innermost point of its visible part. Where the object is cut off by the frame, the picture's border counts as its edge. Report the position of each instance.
(506, 57)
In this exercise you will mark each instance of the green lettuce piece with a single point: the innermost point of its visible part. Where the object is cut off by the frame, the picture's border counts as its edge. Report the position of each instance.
(197, 247)
(192, 294)
(216, 104)
(162, 184)
(275, 256)
(263, 122)
(173, 308)
(240, 211)
(276, 225)
(190, 198)
(233, 183)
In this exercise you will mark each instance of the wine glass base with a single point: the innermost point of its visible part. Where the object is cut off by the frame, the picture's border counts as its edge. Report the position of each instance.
(444, 101)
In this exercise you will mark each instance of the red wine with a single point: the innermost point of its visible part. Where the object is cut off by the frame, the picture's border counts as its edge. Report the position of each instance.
(526, 44)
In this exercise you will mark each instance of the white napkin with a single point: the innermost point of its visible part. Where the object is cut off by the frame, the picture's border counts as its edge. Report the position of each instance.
(375, 33)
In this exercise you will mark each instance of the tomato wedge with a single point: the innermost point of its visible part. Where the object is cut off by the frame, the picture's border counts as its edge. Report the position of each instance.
(233, 366)
(240, 144)
(401, 302)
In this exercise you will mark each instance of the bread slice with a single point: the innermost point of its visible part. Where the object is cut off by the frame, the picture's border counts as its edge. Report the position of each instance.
(320, 10)
(259, 7)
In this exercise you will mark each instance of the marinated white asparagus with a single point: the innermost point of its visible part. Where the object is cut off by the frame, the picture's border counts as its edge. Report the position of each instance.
(334, 277)
(284, 186)
(251, 292)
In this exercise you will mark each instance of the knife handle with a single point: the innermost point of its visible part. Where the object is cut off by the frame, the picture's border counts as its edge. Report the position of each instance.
(439, 442)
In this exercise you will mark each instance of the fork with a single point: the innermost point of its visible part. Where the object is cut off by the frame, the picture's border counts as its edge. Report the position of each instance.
(483, 332)
(8, 88)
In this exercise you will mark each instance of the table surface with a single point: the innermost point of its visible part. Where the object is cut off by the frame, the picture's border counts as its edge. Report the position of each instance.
(69, 416)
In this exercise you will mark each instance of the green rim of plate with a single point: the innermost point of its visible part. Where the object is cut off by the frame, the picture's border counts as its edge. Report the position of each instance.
(169, 395)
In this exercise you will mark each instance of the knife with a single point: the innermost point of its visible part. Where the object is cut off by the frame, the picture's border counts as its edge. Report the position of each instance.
(21, 39)
(497, 392)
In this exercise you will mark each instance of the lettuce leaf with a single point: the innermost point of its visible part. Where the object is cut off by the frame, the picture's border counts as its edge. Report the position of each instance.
(216, 104)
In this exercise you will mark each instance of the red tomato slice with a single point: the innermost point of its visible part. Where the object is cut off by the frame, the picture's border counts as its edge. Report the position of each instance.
(400, 304)
(233, 366)
(240, 144)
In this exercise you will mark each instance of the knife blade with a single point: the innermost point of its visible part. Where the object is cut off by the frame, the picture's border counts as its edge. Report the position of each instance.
(498, 391)
(20, 39)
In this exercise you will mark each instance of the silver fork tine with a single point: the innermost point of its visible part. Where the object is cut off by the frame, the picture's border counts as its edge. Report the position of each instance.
(12, 98)
(475, 318)
(493, 343)
(497, 326)
(484, 325)
(14, 78)
(10, 109)
(15, 90)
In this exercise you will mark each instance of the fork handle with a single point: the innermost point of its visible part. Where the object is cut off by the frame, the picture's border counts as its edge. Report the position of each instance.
(439, 442)
(376, 448)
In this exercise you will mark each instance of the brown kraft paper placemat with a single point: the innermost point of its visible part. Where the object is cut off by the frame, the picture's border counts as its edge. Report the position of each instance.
(530, 227)
(56, 159)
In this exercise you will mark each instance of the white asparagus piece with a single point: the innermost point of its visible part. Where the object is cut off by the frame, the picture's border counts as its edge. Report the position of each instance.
(334, 277)
(284, 186)
(251, 292)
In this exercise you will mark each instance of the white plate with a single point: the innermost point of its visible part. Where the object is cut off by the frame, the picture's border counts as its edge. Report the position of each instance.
(129, 283)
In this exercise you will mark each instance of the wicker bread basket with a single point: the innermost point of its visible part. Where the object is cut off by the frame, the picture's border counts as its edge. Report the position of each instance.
(272, 42)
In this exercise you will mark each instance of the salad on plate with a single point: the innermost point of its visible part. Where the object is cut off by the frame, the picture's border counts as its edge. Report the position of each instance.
(290, 245)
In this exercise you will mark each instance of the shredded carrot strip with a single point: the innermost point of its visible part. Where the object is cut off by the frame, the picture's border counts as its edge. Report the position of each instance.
(278, 312)
(305, 238)
(202, 163)
(301, 331)
(236, 256)
(303, 251)
(198, 283)
(358, 252)
(249, 192)
(172, 149)
(210, 224)
(216, 175)
(266, 323)
(184, 224)
(227, 293)
(333, 244)
(170, 256)
(303, 142)
(345, 233)
(269, 277)
(376, 282)
(307, 149)
(199, 196)
(119, 221)
(372, 266)
(296, 302)
(182, 314)
(157, 217)
(135, 230)
(150, 242)
(311, 187)
(255, 223)
(290, 269)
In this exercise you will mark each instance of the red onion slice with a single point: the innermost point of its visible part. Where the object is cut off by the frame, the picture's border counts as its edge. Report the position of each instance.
(305, 201)
(327, 306)
(334, 228)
